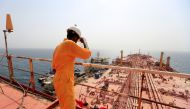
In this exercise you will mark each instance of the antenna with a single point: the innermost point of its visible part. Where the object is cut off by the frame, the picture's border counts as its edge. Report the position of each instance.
(9, 26)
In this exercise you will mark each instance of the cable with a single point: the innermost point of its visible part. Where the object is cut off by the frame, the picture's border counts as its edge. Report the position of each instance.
(2, 89)
(24, 70)
(22, 98)
(24, 94)
(1, 60)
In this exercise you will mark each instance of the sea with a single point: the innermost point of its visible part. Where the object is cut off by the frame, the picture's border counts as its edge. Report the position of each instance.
(180, 61)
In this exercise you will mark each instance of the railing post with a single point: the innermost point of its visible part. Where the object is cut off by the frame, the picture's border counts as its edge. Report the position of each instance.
(10, 67)
(140, 98)
(32, 81)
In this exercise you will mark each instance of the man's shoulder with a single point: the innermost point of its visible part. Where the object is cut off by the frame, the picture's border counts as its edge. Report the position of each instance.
(70, 42)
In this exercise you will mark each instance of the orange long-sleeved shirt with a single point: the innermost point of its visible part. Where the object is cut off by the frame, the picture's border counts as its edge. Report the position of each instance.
(64, 57)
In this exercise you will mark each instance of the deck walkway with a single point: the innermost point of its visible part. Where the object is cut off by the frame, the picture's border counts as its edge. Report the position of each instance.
(12, 98)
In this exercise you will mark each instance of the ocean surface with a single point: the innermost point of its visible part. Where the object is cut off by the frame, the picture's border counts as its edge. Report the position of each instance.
(180, 61)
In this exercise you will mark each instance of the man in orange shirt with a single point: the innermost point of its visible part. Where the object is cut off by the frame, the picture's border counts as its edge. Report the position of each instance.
(63, 64)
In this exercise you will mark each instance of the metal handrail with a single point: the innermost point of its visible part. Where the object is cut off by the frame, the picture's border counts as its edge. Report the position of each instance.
(30, 70)
(177, 74)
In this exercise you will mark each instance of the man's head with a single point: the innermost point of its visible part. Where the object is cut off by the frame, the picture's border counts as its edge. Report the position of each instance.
(73, 34)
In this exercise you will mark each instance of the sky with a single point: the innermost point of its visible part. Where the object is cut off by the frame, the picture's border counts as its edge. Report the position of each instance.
(158, 25)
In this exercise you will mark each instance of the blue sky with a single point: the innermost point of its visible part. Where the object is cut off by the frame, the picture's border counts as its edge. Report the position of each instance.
(159, 25)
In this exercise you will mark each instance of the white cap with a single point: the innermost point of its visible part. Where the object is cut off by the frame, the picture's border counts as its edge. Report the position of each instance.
(75, 30)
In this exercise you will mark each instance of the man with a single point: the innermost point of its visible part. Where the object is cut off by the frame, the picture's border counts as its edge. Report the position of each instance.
(63, 64)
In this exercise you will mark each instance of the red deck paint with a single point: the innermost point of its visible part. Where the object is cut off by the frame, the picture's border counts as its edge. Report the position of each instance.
(12, 97)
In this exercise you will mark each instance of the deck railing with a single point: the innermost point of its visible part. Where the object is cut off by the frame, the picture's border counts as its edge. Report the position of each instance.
(31, 59)
(8, 62)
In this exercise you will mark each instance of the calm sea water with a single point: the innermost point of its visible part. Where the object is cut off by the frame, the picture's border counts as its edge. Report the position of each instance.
(179, 61)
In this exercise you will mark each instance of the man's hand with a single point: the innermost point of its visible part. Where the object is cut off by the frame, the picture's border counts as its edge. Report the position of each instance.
(82, 40)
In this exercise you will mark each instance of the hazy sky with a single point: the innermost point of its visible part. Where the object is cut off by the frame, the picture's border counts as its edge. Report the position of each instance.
(106, 24)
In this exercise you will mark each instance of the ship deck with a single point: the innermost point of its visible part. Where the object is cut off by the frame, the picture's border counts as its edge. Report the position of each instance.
(135, 82)
(135, 89)
(13, 98)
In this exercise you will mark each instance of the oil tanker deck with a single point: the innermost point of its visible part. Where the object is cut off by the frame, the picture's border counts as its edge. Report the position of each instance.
(133, 82)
